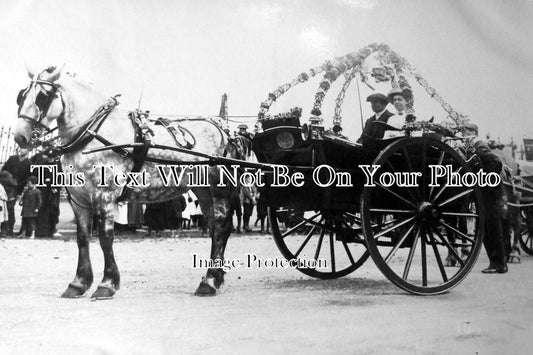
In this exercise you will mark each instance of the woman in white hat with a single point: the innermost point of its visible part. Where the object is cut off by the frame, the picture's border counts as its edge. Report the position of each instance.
(397, 122)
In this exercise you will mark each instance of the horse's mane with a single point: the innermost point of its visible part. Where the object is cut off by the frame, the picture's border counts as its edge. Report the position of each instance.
(77, 87)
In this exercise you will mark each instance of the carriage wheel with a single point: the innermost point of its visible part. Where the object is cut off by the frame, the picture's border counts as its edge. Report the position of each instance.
(413, 232)
(526, 230)
(335, 238)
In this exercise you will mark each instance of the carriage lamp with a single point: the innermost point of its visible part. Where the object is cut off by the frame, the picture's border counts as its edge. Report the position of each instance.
(285, 140)
(314, 130)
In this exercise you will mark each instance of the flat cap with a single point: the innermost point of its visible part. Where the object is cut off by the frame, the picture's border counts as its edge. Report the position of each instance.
(377, 97)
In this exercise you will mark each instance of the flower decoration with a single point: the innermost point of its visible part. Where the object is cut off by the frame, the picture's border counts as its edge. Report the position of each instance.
(391, 67)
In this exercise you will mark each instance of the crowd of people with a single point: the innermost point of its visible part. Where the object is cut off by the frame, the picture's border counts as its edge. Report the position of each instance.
(39, 205)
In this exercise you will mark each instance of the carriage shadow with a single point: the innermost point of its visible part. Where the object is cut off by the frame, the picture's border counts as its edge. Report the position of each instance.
(353, 286)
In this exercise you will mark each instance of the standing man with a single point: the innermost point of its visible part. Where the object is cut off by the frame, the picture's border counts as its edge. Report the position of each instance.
(243, 131)
(19, 168)
(48, 217)
(371, 130)
(248, 201)
(493, 201)
(236, 208)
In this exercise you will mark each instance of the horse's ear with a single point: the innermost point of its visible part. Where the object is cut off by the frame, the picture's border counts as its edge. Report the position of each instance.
(56, 73)
(30, 72)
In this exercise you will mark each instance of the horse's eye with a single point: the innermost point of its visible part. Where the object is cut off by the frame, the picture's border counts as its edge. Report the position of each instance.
(20, 97)
(42, 101)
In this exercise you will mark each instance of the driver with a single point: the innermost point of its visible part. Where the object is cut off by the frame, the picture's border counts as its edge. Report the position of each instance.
(381, 114)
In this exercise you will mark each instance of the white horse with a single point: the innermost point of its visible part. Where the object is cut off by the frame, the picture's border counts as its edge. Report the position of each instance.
(80, 110)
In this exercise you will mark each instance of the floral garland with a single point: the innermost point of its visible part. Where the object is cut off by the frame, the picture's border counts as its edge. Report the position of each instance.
(393, 68)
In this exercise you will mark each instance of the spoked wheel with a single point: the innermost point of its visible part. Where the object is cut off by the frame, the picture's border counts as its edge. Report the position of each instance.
(410, 230)
(331, 239)
(526, 230)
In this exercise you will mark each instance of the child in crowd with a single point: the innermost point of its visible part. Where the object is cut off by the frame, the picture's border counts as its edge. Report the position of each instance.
(31, 203)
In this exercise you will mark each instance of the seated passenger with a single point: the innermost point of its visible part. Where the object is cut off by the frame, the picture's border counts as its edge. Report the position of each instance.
(397, 122)
(381, 114)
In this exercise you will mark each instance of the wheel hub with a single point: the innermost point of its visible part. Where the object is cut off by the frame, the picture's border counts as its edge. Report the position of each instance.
(428, 212)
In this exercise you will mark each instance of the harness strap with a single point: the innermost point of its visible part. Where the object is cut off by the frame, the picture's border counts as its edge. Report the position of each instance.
(119, 150)
(143, 134)
(88, 130)
(173, 131)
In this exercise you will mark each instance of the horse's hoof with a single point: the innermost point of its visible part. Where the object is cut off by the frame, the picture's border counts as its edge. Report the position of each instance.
(103, 293)
(205, 289)
(74, 292)
(513, 259)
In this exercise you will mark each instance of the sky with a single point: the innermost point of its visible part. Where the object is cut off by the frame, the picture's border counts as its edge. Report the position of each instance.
(181, 56)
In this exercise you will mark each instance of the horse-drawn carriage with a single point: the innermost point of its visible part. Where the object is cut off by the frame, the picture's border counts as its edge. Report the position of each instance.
(406, 229)
(406, 219)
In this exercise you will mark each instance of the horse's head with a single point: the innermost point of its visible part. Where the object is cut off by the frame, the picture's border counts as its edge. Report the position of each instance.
(39, 104)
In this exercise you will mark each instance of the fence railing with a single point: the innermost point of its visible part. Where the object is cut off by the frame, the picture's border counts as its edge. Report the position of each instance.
(7, 143)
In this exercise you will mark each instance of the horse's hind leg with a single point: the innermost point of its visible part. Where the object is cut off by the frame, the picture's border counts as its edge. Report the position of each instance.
(220, 224)
(84, 273)
(111, 279)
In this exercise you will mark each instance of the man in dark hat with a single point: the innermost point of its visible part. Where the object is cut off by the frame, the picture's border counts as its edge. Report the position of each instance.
(371, 130)
(243, 131)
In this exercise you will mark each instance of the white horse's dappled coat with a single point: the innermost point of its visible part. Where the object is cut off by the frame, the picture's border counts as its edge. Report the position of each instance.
(71, 102)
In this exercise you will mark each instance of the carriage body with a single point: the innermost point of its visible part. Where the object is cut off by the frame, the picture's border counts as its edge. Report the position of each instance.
(285, 145)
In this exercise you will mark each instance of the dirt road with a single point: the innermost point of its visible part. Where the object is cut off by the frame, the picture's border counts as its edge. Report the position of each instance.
(257, 311)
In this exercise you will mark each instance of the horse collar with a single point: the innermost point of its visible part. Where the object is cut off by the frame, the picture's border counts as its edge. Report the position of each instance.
(89, 129)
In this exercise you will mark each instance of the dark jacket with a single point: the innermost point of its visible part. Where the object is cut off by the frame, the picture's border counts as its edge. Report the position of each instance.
(9, 183)
(19, 169)
(372, 130)
(31, 203)
(490, 162)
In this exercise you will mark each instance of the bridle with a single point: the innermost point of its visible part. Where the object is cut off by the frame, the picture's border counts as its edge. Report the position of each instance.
(43, 101)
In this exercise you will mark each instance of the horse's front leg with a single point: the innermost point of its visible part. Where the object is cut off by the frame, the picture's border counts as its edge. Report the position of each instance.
(84, 273)
(111, 279)
(220, 224)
